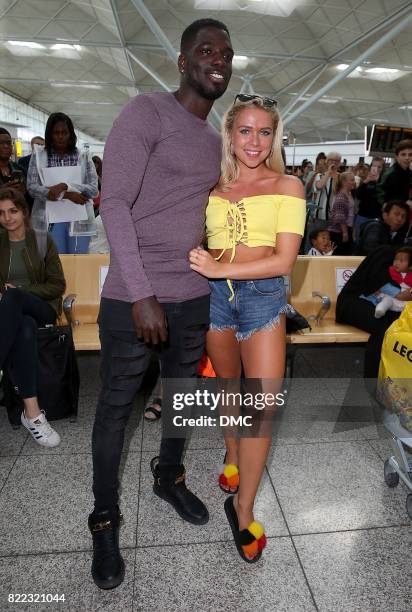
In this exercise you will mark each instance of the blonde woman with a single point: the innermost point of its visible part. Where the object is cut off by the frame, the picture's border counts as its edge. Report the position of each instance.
(343, 212)
(254, 223)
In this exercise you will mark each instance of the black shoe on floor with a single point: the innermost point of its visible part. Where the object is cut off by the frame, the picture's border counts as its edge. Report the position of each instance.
(169, 484)
(107, 565)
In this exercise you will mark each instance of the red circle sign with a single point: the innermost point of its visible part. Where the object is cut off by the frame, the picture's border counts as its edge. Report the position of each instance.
(347, 274)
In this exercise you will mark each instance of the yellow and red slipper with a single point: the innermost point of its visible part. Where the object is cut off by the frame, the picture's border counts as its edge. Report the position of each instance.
(229, 477)
(250, 541)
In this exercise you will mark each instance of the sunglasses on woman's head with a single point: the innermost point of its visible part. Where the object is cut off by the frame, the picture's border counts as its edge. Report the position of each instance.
(269, 102)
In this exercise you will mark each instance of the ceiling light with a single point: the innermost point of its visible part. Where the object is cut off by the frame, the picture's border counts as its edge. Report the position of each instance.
(240, 61)
(95, 103)
(84, 85)
(22, 43)
(405, 107)
(328, 100)
(59, 46)
(278, 8)
(324, 99)
(378, 70)
(344, 66)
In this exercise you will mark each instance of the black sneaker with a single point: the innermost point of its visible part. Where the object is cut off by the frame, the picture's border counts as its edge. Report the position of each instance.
(169, 484)
(108, 564)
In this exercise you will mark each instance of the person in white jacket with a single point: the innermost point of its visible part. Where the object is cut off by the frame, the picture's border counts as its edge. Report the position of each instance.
(60, 151)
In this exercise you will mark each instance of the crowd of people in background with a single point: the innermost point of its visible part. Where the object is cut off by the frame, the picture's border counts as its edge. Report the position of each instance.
(351, 210)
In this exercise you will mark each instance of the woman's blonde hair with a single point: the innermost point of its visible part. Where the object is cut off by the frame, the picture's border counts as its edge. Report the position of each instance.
(229, 167)
(341, 179)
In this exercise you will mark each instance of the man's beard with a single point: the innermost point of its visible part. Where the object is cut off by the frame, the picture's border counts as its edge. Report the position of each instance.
(212, 94)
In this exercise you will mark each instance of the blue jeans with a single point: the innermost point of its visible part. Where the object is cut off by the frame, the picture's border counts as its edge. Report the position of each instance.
(69, 244)
(256, 305)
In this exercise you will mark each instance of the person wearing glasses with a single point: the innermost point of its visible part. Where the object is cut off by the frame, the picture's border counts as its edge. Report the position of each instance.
(254, 225)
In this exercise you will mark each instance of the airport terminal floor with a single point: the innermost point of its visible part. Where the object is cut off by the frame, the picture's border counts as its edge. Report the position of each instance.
(338, 537)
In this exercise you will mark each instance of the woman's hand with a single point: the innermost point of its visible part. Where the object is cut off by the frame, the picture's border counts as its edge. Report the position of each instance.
(55, 191)
(202, 262)
(75, 197)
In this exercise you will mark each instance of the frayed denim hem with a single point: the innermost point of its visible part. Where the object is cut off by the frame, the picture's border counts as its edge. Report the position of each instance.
(221, 328)
(273, 323)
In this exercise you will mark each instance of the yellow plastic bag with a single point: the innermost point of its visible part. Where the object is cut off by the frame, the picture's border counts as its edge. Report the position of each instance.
(394, 389)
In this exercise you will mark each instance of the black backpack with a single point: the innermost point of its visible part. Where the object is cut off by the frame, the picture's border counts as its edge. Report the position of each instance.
(58, 377)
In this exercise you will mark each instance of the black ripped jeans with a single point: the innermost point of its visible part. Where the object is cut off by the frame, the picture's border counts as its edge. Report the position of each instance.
(124, 361)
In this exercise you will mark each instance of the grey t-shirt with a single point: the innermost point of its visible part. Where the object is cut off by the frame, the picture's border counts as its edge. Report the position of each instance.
(18, 272)
(160, 163)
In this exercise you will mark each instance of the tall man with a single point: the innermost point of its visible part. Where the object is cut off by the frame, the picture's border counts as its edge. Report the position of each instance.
(161, 160)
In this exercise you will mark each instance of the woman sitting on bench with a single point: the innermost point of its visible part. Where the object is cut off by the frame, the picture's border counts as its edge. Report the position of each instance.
(31, 289)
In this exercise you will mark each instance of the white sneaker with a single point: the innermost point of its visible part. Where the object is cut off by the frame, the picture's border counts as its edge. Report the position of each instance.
(41, 430)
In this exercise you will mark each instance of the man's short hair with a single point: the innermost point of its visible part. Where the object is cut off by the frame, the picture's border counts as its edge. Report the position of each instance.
(402, 145)
(387, 207)
(36, 138)
(191, 31)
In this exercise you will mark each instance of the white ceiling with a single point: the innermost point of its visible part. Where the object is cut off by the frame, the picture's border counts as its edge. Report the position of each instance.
(123, 51)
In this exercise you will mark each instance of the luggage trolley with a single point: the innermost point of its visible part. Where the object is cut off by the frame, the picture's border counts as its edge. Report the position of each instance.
(398, 465)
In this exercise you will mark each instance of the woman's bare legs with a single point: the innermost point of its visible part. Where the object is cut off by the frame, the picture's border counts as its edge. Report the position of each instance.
(224, 352)
(263, 357)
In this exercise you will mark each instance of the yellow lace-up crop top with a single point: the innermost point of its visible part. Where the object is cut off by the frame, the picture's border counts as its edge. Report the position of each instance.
(253, 221)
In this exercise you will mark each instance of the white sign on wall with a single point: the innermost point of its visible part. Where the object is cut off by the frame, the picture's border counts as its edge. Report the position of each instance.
(103, 273)
(342, 276)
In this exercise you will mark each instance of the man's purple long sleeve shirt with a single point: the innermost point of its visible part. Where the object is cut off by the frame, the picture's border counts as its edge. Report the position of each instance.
(160, 162)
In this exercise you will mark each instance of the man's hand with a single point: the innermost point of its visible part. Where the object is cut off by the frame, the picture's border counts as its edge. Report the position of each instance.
(149, 320)
(55, 191)
(9, 286)
(75, 197)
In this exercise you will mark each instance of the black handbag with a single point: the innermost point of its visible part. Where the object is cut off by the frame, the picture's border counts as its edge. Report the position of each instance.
(295, 322)
(57, 375)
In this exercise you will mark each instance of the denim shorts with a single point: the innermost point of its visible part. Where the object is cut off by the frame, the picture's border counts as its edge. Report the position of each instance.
(256, 305)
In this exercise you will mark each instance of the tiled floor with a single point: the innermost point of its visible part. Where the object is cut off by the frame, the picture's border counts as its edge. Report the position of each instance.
(338, 538)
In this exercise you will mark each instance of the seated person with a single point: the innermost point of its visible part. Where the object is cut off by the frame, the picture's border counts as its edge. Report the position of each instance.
(31, 289)
(321, 244)
(353, 309)
(389, 297)
(391, 229)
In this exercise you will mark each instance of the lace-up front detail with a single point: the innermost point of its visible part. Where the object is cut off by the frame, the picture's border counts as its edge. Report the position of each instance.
(235, 226)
